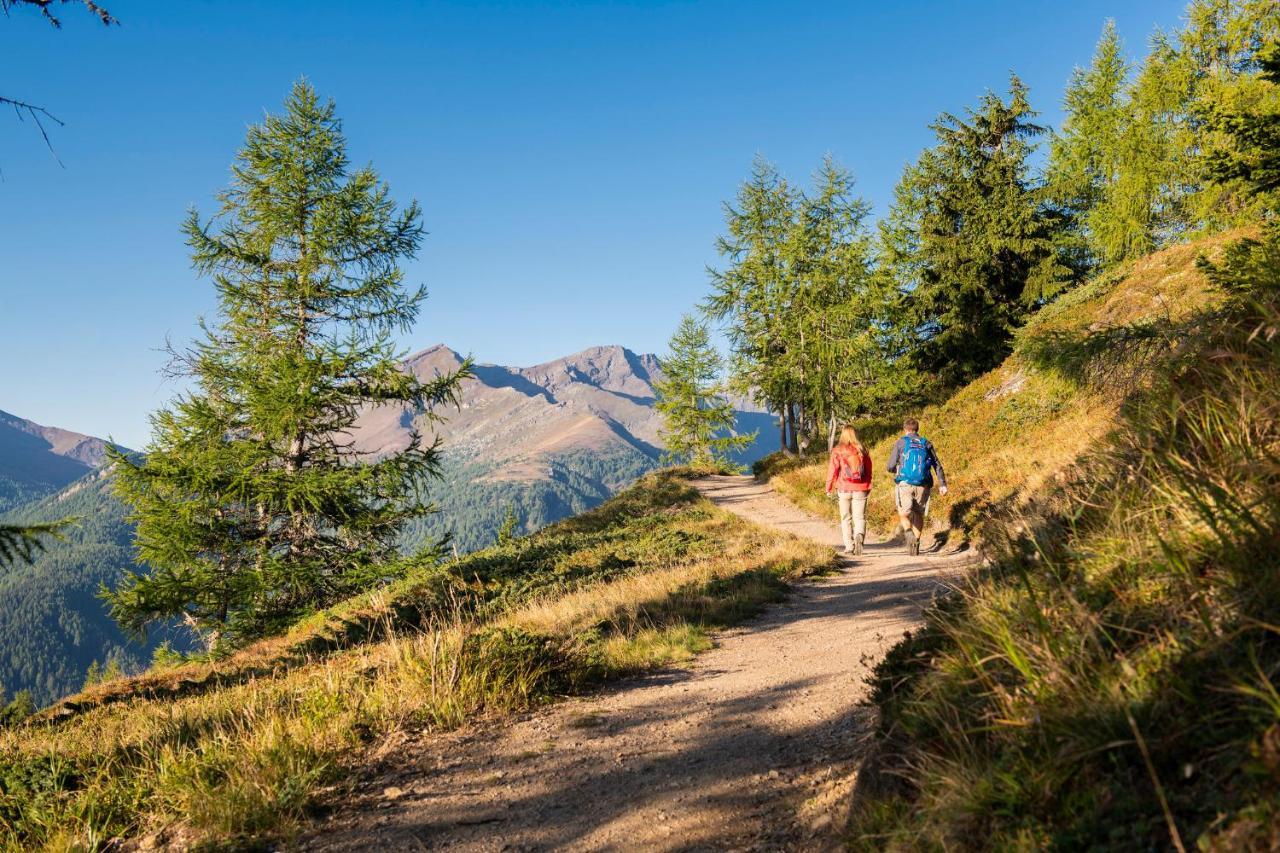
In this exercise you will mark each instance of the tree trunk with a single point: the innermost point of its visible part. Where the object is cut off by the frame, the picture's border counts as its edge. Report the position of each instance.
(803, 429)
(793, 444)
(782, 431)
(831, 433)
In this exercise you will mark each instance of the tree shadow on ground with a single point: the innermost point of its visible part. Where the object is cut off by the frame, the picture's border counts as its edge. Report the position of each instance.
(742, 771)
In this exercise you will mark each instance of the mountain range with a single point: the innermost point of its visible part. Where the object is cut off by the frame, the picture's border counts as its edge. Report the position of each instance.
(542, 442)
(38, 460)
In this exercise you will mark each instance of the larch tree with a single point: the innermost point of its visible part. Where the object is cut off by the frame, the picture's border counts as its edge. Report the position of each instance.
(252, 503)
(698, 418)
(754, 292)
(1152, 137)
(1251, 156)
(1225, 47)
(833, 325)
(1084, 157)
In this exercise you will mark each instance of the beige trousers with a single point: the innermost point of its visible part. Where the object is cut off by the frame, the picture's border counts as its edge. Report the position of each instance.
(853, 516)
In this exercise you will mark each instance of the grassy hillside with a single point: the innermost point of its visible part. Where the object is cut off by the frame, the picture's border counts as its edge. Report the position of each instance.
(1109, 681)
(238, 749)
(1005, 436)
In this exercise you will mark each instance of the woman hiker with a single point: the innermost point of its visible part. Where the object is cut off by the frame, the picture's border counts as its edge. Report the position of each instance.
(849, 474)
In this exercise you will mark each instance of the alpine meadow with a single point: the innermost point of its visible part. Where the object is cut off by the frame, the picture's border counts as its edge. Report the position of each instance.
(863, 432)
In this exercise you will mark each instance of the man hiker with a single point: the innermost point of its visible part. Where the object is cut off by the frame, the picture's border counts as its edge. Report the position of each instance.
(912, 462)
(849, 474)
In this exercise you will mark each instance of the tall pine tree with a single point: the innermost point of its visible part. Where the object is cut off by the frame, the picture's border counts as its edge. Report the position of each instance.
(698, 418)
(252, 504)
(973, 244)
(834, 323)
(1084, 158)
(754, 292)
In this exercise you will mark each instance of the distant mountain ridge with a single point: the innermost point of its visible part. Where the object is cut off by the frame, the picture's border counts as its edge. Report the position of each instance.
(545, 441)
(38, 460)
(598, 399)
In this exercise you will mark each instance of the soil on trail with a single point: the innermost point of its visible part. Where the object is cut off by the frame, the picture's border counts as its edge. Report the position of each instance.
(754, 746)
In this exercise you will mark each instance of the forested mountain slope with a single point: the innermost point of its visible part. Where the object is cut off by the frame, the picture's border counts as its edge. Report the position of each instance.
(53, 626)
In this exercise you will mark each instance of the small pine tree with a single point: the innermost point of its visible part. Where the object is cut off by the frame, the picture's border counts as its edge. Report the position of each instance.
(252, 505)
(699, 420)
(507, 531)
(92, 675)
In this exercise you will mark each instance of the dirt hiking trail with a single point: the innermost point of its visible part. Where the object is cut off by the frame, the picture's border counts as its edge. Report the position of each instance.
(752, 747)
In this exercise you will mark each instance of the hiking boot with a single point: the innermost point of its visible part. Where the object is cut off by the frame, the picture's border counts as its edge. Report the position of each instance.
(913, 544)
(857, 545)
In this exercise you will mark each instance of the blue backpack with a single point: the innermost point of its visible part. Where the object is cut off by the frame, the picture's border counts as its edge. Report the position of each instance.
(913, 468)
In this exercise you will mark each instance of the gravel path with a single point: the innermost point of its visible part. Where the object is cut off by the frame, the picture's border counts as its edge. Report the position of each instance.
(755, 746)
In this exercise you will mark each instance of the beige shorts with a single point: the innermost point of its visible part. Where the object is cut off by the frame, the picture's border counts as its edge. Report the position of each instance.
(912, 499)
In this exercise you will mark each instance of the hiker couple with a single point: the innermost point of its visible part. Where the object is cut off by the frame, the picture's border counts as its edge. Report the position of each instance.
(912, 461)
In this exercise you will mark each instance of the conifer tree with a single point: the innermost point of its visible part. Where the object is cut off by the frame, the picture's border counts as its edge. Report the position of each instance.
(835, 351)
(1084, 158)
(980, 248)
(753, 294)
(1151, 139)
(252, 504)
(698, 418)
(1250, 154)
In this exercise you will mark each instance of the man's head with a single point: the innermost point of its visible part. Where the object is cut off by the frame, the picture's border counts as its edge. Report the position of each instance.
(911, 425)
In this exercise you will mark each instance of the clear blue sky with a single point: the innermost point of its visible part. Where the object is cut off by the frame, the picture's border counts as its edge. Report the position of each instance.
(571, 158)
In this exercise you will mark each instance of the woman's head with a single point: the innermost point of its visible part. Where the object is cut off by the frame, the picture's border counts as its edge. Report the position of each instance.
(849, 436)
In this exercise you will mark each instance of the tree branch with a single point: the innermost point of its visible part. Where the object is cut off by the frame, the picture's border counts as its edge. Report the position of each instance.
(45, 5)
(35, 112)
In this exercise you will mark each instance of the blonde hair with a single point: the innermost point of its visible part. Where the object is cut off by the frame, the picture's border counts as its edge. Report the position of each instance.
(849, 436)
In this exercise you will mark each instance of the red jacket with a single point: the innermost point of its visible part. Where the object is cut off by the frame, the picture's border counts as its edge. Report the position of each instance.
(846, 459)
